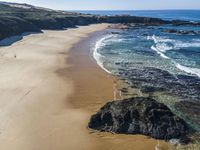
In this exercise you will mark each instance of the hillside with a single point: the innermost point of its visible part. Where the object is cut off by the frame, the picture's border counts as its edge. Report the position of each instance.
(18, 18)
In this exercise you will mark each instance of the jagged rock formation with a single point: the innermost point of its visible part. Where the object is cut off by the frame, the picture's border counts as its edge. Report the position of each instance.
(182, 32)
(150, 80)
(139, 115)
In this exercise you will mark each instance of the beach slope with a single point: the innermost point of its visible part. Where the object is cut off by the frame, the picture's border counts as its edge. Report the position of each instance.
(35, 113)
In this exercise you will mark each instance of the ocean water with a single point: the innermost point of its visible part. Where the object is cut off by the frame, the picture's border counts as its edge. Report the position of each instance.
(145, 47)
(151, 46)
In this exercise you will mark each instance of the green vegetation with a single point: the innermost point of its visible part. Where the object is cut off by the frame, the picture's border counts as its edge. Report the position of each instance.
(18, 18)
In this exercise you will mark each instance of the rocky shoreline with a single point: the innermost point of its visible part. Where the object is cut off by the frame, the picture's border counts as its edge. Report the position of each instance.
(152, 81)
(183, 90)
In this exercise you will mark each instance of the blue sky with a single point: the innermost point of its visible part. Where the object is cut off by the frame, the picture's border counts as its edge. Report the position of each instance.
(114, 4)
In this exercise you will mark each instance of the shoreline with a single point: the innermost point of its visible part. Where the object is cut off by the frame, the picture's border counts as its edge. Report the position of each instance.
(48, 95)
(93, 89)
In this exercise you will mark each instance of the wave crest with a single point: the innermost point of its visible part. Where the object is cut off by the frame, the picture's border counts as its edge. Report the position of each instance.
(96, 55)
(189, 70)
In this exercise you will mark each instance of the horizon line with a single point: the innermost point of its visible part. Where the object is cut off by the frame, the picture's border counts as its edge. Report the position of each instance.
(125, 9)
(102, 9)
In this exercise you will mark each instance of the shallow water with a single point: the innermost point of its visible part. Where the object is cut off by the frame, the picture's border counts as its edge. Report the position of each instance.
(149, 58)
(150, 46)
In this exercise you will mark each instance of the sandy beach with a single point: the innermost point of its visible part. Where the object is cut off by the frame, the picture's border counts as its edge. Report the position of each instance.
(50, 87)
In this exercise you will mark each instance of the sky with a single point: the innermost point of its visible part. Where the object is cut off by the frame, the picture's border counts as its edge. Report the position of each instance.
(113, 4)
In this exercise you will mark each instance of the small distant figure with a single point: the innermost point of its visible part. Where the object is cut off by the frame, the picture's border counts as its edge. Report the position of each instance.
(15, 56)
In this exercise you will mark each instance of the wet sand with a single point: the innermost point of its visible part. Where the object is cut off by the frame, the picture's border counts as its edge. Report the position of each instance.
(50, 87)
(93, 88)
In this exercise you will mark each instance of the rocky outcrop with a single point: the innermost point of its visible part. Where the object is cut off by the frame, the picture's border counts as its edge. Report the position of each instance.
(150, 80)
(139, 115)
(182, 22)
(182, 32)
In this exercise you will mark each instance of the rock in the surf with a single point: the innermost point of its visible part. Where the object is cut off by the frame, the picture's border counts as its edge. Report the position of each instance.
(139, 115)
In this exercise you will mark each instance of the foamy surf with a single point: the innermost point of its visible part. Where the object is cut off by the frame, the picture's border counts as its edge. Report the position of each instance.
(158, 39)
(159, 52)
(175, 44)
(160, 47)
(189, 70)
(97, 56)
(128, 47)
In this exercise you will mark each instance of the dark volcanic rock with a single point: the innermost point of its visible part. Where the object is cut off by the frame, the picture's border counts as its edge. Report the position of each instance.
(181, 22)
(182, 32)
(139, 115)
(149, 80)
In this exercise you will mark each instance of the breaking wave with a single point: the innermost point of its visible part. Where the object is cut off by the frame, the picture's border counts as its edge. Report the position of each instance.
(97, 56)
(189, 70)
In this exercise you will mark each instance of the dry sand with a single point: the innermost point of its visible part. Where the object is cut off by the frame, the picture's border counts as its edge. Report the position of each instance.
(47, 94)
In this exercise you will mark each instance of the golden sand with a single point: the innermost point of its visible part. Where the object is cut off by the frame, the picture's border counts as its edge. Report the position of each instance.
(48, 94)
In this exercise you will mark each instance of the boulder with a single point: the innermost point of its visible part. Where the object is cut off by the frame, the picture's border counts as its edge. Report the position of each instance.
(139, 115)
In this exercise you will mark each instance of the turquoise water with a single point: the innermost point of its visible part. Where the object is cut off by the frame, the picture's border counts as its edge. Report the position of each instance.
(152, 47)
(156, 62)
(175, 53)
(150, 59)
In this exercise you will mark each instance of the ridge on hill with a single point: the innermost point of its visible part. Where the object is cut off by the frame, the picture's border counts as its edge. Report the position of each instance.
(19, 18)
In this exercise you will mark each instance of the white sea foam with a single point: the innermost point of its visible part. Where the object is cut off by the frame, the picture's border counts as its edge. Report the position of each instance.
(190, 70)
(97, 56)
(159, 52)
(159, 47)
(158, 39)
(154, 38)
(163, 47)
(115, 39)
(179, 44)
(196, 40)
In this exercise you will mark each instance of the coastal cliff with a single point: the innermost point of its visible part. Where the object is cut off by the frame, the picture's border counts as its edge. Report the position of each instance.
(19, 18)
